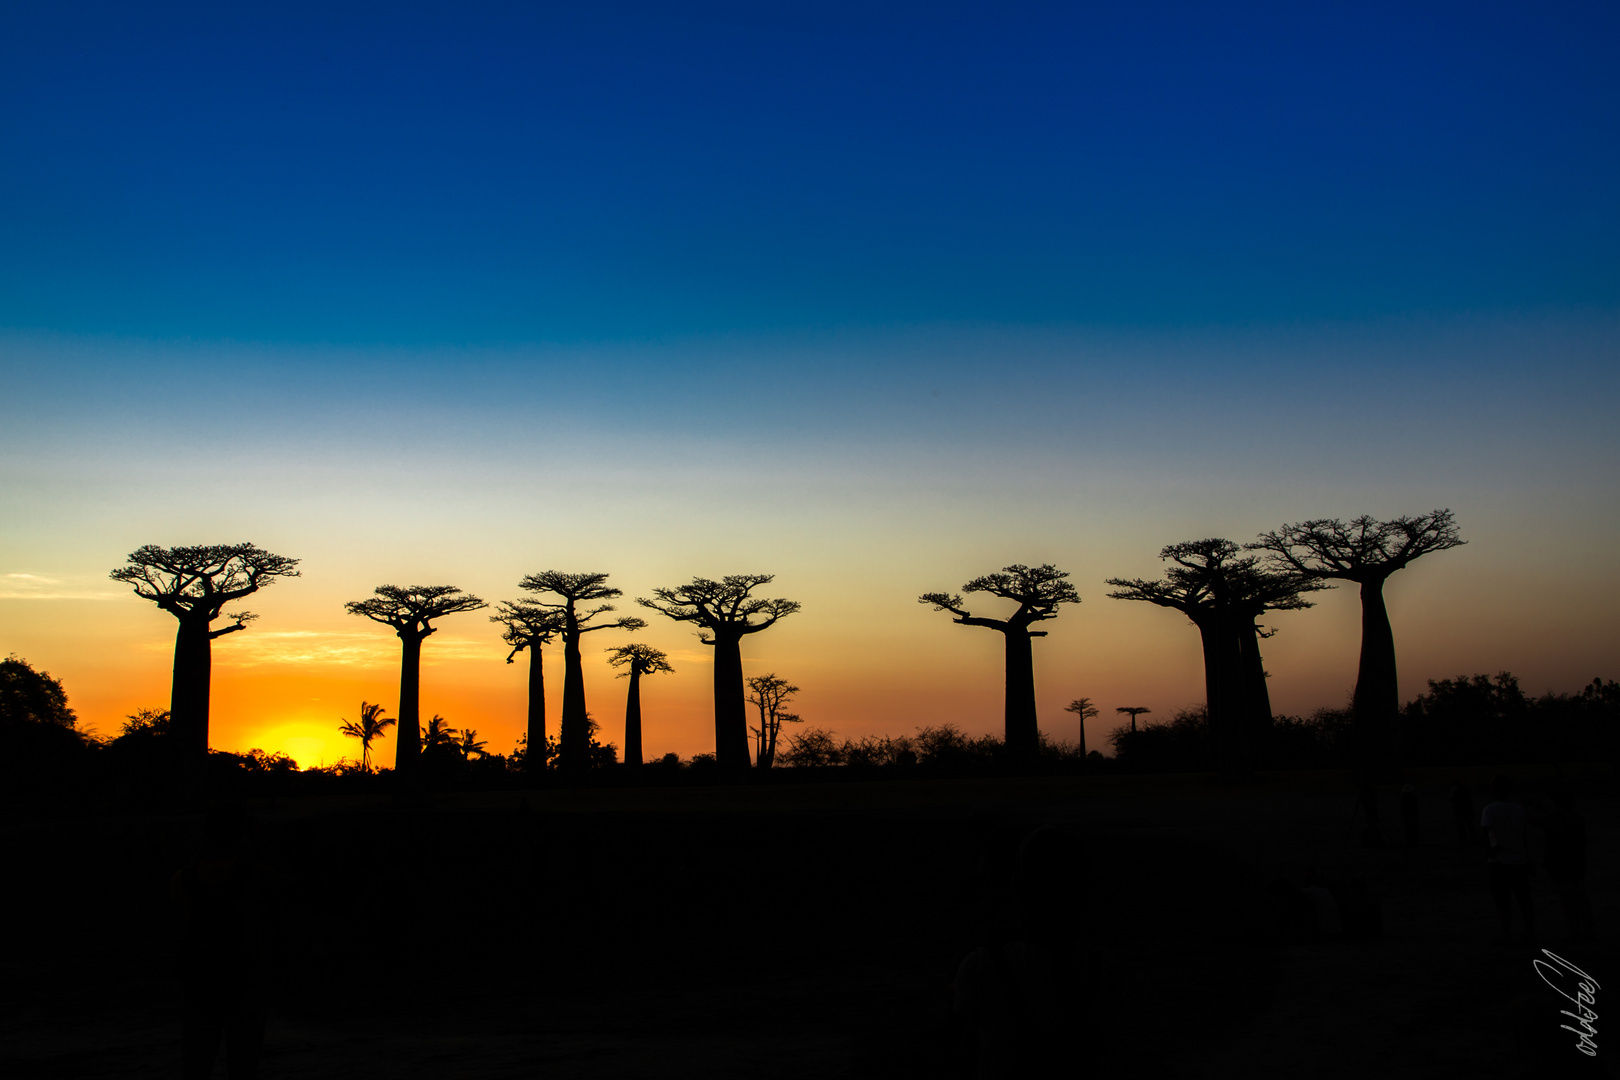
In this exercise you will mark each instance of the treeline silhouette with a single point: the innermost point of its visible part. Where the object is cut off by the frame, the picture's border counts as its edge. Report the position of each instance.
(1469, 720)
(1221, 587)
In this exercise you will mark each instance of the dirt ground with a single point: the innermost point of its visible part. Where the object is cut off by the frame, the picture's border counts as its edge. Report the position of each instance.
(801, 931)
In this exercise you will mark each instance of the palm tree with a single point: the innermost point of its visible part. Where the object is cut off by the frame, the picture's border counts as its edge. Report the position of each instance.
(576, 591)
(370, 726)
(470, 744)
(437, 733)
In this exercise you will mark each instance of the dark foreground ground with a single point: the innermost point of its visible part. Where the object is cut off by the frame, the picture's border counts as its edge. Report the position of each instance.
(798, 932)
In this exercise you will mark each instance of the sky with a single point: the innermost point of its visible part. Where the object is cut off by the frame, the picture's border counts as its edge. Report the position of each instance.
(874, 298)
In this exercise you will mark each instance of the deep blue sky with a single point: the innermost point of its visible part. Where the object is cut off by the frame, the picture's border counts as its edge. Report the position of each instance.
(461, 173)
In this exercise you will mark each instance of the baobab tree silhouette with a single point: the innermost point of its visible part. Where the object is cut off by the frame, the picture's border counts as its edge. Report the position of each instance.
(194, 584)
(1135, 711)
(1367, 552)
(1038, 591)
(575, 589)
(641, 660)
(725, 609)
(1223, 594)
(531, 625)
(411, 611)
(370, 727)
(770, 694)
(1084, 710)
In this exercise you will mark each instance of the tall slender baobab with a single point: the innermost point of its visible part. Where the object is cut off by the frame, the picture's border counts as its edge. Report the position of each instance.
(411, 611)
(530, 625)
(1084, 710)
(1038, 591)
(1223, 593)
(641, 660)
(725, 609)
(194, 584)
(1366, 552)
(371, 726)
(575, 589)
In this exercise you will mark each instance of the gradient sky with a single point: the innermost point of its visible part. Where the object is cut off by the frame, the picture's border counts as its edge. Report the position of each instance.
(875, 299)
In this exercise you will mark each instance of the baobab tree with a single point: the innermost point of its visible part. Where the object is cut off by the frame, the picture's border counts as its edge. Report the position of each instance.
(411, 611)
(726, 610)
(573, 742)
(1085, 710)
(194, 584)
(1135, 711)
(1038, 591)
(371, 726)
(1366, 552)
(1223, 594)
(640, 660)
(770, 694)
(531, 625)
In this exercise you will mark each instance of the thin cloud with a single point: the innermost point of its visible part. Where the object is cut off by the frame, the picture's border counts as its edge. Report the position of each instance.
(349, 647)
(20, 586)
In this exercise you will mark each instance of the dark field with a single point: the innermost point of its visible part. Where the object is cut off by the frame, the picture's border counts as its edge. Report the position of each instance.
(800, 931)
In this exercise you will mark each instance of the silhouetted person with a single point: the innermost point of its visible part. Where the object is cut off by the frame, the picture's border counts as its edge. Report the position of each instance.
(1462, 813)
(1409, 814)
(1564, 828)
(221, 965)
(1017, 994)
(1326, 919)
(1502, 827)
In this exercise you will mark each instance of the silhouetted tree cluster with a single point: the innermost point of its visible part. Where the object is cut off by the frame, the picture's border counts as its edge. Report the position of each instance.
(1489, 719)
(41, 743)
(770, 695)
(935, 750)
(1223, 594)
(1183, 743)
(1469, 720)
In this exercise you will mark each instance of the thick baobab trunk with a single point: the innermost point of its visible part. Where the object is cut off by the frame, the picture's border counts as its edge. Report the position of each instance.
(1257, 697)
(1376, 699)
(1022, 730)
(535, 764)
(1376, 691)
(730, 705)
(188, 693)
(408, 729)
(575, 737)
(632, 720)
(1222, 703)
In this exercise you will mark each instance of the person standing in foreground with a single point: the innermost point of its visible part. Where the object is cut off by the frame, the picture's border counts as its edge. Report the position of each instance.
(1502, 827)
(221, 963)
